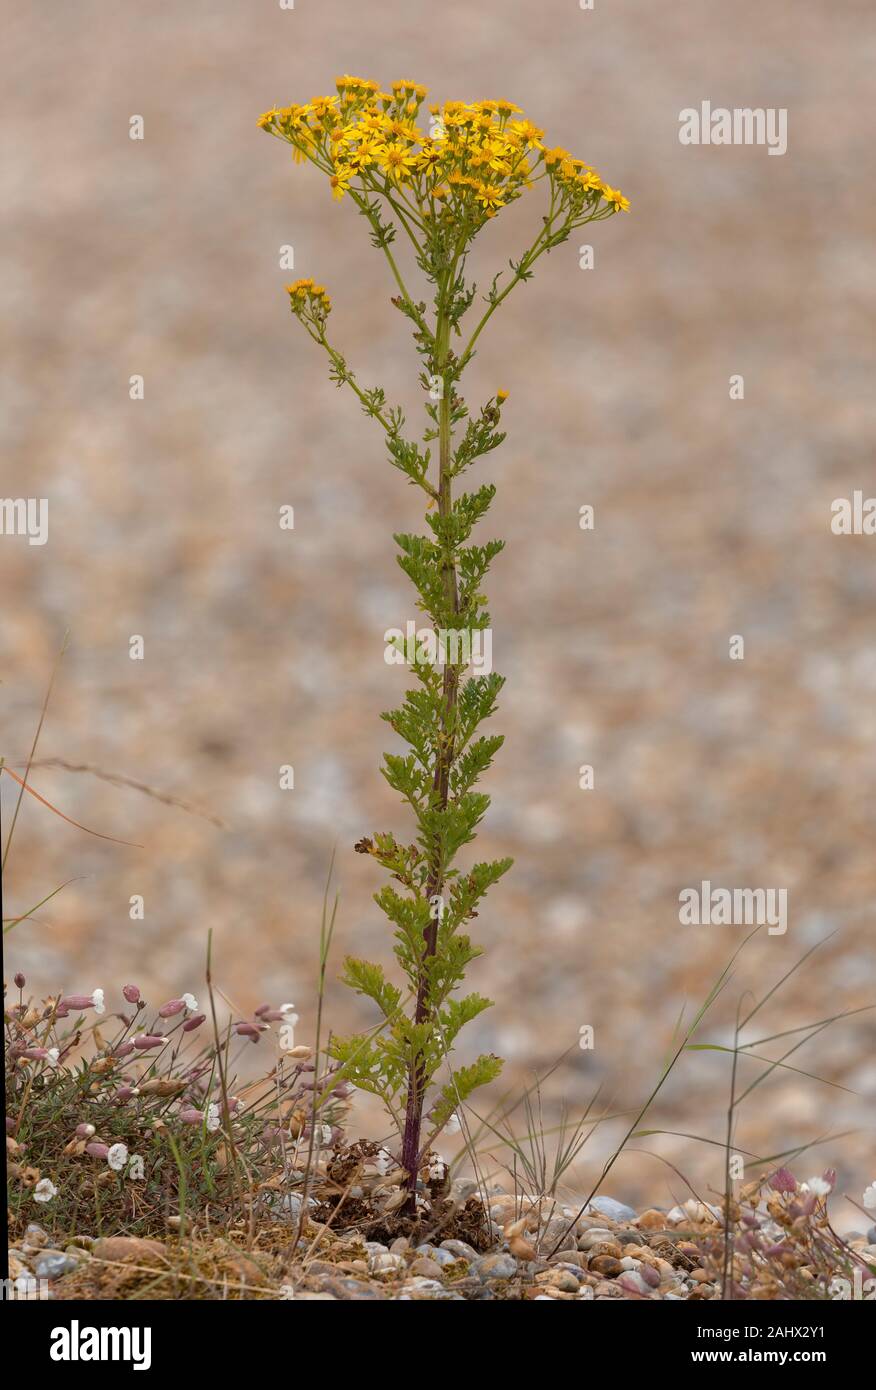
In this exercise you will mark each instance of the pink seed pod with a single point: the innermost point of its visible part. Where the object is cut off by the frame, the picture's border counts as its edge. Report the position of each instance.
(783, 1181)
(247, 1030)
(829, 1176)
(35, 1054)
(124, 1093)
(84, 1131)
(194, 1022)
(190, 1116)
(270, 1015)
(343, 1089)
(97, 1150)
(131, 993)
(124, 1049)
(262, 1010)
(20, 981)
(76, 1002)
(171, 1008)
(147, 1040)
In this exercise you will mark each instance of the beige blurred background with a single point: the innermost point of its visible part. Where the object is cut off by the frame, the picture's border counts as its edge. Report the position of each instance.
(264, 647)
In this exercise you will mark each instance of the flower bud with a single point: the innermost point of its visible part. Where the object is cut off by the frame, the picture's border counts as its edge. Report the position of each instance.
(97, 1150)
(171, 1008)
(146, 1040)
(194, 1022)
(131, 993)
(20, 981)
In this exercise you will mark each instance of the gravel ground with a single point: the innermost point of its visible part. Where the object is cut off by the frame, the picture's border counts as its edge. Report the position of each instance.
(264, 647)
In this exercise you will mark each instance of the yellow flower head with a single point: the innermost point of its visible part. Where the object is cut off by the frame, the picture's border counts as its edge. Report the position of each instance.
(616, 198)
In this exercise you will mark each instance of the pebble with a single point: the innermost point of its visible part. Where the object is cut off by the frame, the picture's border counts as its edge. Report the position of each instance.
(571, 1257)
(426, 1268)
(558, 1232)
(598, 1235)
(633, 1282)
(561, 1279)
(607, 1266)
(51, 1264)
(618, 1211)
(440, 1256)
(383, 1262)
(461, 1250)
(127, 1249)
(653, 1220)
(495, 1267)
(35, 1238)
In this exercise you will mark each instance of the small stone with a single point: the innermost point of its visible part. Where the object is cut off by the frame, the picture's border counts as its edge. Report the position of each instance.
(633, 1283)
(700, 1276)
(652, 1220)
(383, 1262)
(354, 1289)
(570, 1257)
(51, 1264)
(496, 1267)
(444, 1258)
(128, 1250)
(605, 1289)
(558, 1232)
(400, 1245)
(607, 1266)
(607, 1206)
(460, 1250)
(606, 1247)
(588, 1240)
(626, 1237)
(35, 1238)
(426, 1268)
(558, 1279)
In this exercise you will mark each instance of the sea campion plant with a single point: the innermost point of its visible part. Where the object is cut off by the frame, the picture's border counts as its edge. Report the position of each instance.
(437, 190)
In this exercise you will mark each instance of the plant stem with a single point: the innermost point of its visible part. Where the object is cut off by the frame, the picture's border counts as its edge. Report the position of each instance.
(410, 1156)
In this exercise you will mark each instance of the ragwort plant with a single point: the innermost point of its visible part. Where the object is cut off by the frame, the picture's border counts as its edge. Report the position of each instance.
(437, 191)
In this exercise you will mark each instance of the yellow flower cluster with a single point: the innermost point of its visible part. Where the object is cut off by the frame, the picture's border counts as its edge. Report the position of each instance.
(309, 300)
(475, 159)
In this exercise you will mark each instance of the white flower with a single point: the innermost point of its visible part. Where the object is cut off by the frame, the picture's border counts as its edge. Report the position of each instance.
(117, 1157)
(437, 1170)
(453, 1126)
(383, 1162)
(214, 1119)
(288, 1009)
(870, 1197)
(323, 1134)
(818, 1187)
(45, 1190)
(54, 1054)
(190, 1002)
(97, 1001)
